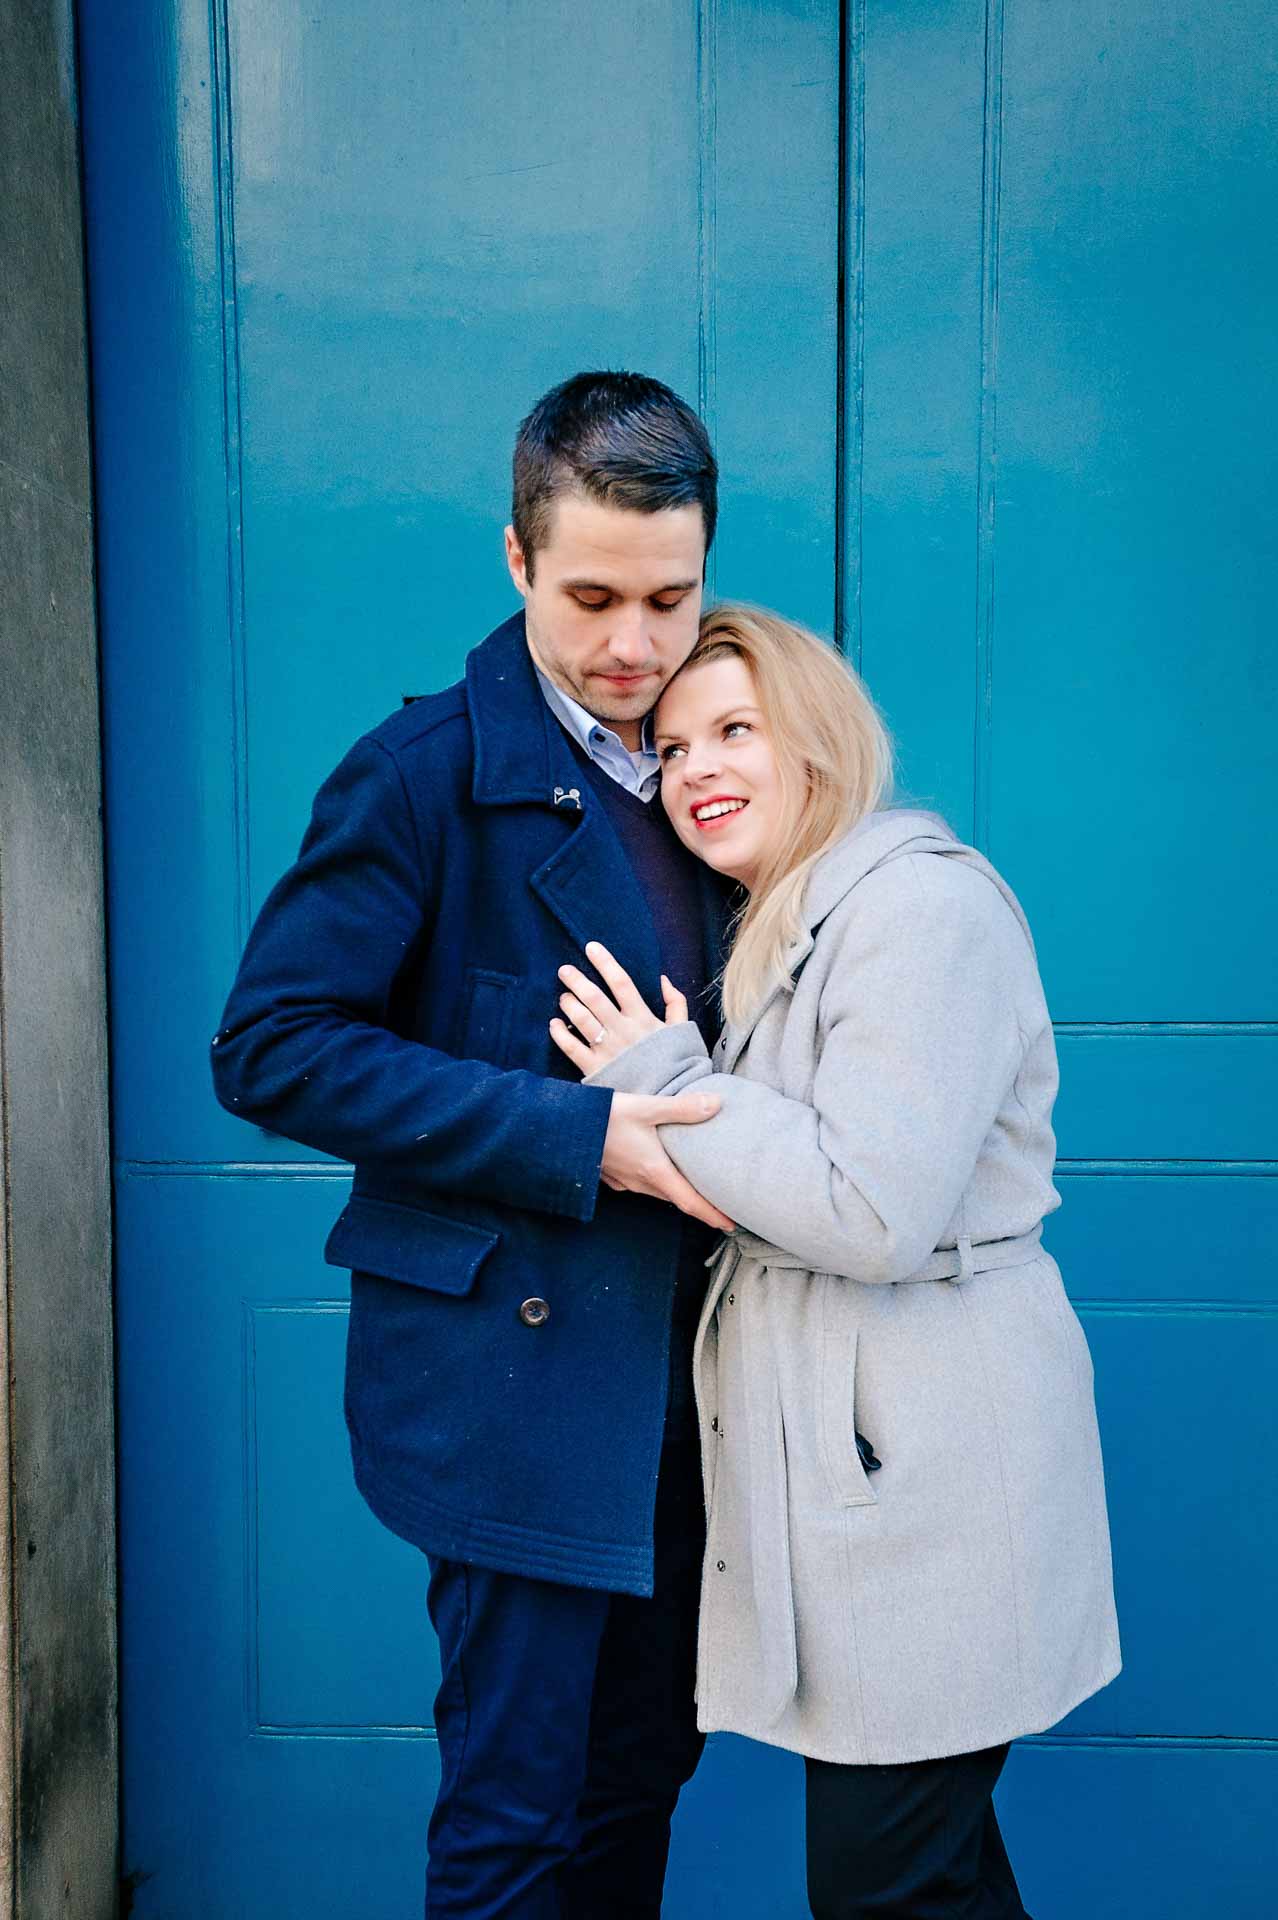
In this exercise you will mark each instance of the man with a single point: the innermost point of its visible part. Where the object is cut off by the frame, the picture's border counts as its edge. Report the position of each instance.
(527, 1262)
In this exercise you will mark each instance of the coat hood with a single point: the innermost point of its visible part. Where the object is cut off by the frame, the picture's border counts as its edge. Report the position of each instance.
(875, 841)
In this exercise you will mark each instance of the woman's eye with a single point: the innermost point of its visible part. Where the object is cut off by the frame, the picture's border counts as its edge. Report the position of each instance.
(734, 726)
(668, 753)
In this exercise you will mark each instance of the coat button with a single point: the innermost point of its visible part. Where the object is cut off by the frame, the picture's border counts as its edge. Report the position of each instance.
(535, 1312)
(722, 1565)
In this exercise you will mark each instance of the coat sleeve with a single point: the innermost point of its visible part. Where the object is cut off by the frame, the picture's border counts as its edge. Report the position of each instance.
(304, 1047)
(918, 1046)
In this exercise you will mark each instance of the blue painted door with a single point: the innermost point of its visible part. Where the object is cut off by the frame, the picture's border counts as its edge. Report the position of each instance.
(975, 297)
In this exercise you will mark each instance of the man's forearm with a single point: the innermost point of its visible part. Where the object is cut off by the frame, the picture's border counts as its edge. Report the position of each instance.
(363, 1093)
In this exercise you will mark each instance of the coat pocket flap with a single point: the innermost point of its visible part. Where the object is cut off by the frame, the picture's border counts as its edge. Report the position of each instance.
(406, 1244)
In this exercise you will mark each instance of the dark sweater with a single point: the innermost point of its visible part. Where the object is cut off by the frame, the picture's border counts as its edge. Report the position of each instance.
(667, 875)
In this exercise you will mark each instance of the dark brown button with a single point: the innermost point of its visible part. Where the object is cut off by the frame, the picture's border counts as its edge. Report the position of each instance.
(535, 1312)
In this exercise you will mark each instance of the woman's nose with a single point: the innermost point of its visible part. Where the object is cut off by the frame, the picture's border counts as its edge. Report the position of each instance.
(701, 763)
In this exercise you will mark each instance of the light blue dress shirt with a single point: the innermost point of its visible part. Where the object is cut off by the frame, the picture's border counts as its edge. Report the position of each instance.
(639, 773)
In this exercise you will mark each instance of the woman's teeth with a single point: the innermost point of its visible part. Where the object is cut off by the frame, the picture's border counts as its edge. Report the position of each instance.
(717, 807)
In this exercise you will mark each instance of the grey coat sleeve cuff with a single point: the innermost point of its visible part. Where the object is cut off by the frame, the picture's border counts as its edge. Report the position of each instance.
(662, 1062)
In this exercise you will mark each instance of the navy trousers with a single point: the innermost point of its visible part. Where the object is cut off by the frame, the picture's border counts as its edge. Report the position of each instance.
(917, 1841)
(567, 1726)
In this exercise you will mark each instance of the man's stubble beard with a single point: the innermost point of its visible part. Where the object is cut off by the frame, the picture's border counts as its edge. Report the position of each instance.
(597, 701)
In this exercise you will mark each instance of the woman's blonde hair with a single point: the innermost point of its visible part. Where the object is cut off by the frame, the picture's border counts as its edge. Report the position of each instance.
(835, 760)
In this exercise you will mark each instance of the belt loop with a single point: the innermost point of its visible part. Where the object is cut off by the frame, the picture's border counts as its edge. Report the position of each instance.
(967, 1266)
(726, 1254)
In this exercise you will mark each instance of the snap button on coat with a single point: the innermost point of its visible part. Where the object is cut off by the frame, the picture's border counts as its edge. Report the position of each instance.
(535, 1312)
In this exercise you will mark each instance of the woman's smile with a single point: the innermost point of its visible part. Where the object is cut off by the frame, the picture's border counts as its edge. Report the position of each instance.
(715, 813)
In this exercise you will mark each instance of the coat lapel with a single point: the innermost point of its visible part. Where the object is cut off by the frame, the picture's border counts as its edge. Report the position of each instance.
(588, 885)
(521, 758)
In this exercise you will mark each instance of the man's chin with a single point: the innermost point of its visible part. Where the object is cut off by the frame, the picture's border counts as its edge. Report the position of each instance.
(609, 703)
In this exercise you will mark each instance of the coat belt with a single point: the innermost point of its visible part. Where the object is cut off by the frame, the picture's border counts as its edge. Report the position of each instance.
(959, 1262)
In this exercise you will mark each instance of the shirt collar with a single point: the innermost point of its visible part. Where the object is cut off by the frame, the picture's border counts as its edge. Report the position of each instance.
(601, 744)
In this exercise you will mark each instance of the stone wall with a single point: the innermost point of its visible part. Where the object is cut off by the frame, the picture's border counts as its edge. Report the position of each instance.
(57, 1581)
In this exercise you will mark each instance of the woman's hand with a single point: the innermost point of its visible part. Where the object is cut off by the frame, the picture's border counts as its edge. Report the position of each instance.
(606, 1027)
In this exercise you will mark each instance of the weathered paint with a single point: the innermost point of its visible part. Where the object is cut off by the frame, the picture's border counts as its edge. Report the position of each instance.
(57, 1542)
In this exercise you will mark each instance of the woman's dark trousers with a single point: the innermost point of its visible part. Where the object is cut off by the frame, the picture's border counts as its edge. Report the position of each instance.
(567, 1726)
(918, 1841)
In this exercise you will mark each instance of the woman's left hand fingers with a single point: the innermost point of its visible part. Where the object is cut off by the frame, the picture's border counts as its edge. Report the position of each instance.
(676, 1004)
(567, 1042)
(589, 994)
(586, 1021)
(620, 985)
(604, 1027)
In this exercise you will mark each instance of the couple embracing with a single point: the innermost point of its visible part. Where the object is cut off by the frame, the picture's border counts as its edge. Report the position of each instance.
(701, 1332)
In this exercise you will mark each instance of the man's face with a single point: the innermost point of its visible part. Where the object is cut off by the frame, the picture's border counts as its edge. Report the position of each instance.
(613, 609)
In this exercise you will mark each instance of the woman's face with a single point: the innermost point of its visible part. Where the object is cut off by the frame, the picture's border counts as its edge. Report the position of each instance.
(720, 780)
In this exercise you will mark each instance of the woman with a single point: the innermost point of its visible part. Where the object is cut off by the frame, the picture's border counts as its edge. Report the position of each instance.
(908, 1556)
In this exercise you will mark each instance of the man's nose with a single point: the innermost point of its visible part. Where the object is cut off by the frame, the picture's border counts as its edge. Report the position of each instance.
(628, 639)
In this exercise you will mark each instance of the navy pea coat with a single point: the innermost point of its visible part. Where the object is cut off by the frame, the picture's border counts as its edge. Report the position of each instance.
(392, 1008)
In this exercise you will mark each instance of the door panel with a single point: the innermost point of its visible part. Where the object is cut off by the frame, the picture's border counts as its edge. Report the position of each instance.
(970, 296)
(1133, 695)
(367, 246)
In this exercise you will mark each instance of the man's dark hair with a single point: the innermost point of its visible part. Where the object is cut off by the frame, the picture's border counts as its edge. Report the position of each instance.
(619, 438)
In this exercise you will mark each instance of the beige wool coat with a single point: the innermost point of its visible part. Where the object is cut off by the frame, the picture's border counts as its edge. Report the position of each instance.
(885, 1145)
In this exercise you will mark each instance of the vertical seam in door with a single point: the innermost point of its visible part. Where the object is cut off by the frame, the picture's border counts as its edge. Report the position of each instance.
(219, 40)
(991, 187)
(707, 226)
(850, 351)
(251, 1474)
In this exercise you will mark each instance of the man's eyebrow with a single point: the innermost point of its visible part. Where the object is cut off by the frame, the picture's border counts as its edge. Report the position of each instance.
(602, 586)
(718, 721)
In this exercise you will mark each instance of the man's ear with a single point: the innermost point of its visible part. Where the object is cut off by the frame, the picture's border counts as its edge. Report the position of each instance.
(515, 561)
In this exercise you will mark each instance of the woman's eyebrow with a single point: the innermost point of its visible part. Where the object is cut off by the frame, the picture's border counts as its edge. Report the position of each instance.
(718, 721)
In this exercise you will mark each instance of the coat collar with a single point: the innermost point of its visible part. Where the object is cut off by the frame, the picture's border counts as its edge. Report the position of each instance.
(521, 753)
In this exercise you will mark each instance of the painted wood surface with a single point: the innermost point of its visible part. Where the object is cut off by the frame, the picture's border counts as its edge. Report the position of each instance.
(977, 299)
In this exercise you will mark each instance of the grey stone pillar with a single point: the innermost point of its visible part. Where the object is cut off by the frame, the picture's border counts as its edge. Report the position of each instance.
(58, 1769)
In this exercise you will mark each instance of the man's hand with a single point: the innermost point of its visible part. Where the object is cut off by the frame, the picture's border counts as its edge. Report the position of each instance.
(634, 1160)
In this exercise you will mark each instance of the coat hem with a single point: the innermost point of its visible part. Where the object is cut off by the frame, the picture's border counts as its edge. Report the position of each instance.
(502, 1545)
(997, 1736)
